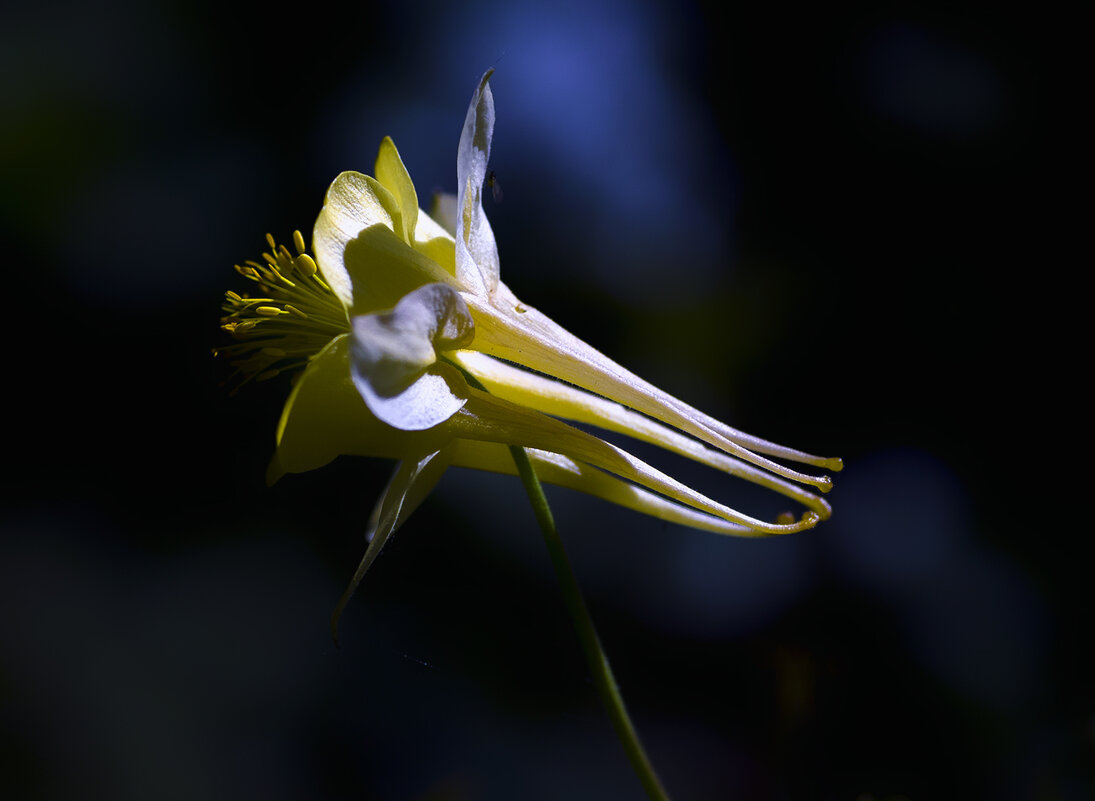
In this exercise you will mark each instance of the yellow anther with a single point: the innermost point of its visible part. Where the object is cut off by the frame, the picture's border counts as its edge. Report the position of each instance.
(785, 518)
(306, 264)
(278, 274)
(281, 277)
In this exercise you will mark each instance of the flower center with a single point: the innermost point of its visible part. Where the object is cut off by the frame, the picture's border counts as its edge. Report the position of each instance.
(293, 315)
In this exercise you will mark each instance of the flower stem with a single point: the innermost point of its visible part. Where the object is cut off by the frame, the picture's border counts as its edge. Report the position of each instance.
(596, 657)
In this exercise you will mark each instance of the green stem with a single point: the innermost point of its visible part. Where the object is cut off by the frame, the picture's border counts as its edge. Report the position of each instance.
(596, 657)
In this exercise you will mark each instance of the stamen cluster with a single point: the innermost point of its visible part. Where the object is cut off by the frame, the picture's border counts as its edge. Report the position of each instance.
(289, 320)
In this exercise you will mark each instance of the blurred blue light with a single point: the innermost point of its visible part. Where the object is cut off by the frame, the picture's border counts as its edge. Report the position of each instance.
(732, 587)
(903, 532)
(901, 515)
(614, 148)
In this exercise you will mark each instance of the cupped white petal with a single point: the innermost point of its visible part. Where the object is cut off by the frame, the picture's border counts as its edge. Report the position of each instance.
(365, 262)
(394, 358)
(433, 398)
(325, 417)
(354, 203)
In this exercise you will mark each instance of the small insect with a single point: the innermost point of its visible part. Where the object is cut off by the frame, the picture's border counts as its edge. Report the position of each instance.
(495, 187)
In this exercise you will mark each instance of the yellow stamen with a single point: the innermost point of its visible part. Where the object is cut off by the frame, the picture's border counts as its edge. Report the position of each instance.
(287, 321)
(306, 264)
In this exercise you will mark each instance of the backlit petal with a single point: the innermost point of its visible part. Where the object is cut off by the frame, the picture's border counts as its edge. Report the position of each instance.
(476, 250)
(394, 177)
(366, 264)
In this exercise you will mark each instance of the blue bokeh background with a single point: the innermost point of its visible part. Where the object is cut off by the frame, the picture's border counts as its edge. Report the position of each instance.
(823, 226)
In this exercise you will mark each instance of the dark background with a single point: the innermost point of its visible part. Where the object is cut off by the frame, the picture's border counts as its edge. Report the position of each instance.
(826, 228)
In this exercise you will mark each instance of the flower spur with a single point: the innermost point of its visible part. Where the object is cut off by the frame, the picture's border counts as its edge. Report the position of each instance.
(414, 349)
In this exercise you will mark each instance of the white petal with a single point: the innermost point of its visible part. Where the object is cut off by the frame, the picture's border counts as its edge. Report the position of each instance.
(394, 358)
(367, 265)
(476, 250)
(410, 484)
(354, 203)
(433, 398)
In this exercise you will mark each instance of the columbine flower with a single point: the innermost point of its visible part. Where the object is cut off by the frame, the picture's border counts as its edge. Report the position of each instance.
(413, 349)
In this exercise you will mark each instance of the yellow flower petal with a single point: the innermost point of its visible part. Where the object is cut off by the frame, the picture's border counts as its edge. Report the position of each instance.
(394, 395)
(436, 243)
(394, 177)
